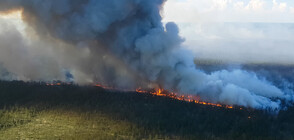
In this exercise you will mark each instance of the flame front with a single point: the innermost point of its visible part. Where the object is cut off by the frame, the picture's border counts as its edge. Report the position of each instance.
(159, 92)
(190, 98)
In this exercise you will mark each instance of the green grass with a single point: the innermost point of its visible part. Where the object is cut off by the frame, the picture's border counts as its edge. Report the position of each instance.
(64, 124)
(36, 111)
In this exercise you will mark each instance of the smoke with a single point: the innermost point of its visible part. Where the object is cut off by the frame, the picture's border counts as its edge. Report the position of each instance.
(123, 44)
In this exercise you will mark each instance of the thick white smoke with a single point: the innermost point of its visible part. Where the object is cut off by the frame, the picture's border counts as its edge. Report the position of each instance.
(123, 42)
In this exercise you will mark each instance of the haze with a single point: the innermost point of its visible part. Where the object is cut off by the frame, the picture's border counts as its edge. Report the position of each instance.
(245, 31)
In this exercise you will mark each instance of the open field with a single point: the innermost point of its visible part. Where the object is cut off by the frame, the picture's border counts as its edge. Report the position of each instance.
(37, 111)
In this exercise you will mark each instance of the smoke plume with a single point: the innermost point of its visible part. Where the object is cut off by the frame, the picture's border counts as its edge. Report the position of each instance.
(122, 43)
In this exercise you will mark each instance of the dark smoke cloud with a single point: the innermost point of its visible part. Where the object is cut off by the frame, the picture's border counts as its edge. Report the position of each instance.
(124, 43)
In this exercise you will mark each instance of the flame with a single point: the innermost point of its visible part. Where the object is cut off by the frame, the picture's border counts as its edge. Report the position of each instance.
(58, 84)
(190, 98)
(102, 86)
(158, 92)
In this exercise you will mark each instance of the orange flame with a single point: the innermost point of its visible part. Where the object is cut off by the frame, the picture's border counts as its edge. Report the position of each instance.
(162, 93)
(192, 99)
(58, 84)
(102, 86)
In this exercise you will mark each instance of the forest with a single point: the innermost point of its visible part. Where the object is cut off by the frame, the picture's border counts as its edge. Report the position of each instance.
(32, 110)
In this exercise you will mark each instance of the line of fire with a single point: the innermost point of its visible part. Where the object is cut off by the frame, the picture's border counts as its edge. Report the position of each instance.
(158, 92)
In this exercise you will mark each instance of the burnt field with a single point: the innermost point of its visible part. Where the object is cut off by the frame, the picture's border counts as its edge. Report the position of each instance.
(38, 111)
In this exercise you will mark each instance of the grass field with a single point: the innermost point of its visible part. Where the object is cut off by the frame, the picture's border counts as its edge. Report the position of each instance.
(37, 111)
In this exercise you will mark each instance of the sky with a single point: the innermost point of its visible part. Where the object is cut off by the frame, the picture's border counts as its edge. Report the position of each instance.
(230, 11)
(245, 31)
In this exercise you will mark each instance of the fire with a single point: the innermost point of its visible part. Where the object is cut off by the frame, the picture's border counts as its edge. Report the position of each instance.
(102, 86)
(192, 99)
(158, 92)
(58, 84)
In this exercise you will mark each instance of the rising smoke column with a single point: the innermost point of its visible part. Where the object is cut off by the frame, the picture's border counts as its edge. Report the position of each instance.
(132, 32)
